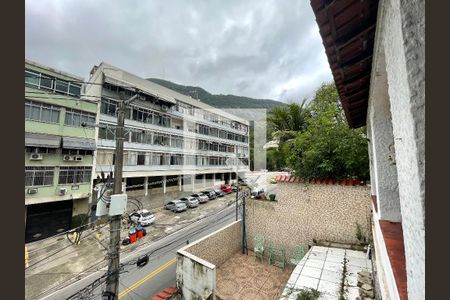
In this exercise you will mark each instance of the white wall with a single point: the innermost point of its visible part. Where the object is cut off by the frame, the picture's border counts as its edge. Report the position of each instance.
(400, 31)
(195, 277)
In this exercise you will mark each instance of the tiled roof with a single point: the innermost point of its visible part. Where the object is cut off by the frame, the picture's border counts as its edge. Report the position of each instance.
(296, 179)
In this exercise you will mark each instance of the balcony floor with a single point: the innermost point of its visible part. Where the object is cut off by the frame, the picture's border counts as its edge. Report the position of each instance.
(243, 277)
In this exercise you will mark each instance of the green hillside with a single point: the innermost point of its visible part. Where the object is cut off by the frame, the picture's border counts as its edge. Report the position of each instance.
(219, 101)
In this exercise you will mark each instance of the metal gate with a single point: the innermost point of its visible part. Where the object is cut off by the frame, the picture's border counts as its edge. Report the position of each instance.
(47, 219)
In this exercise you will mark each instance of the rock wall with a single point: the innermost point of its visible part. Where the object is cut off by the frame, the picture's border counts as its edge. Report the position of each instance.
(304, 212)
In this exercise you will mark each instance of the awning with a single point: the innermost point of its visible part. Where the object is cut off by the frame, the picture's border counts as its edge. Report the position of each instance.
(42, 140)
(78, 143)
(141, 84)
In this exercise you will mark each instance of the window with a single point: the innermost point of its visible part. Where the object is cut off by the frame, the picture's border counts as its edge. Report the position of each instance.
(41, 112)
(142, 115)
(108, 107)
(78, 118)
(107, 133)
(39, 176)
(137, 135)
(74, 175)
(74, 89)
(105, 158)
(51, 83)
(61, 86)
(32, 78)
(40, 150)
(76, 152)
(141, 159)
(46, 82)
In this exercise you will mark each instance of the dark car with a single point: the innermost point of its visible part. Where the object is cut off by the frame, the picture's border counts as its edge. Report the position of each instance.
(219, 193)
(211, 194)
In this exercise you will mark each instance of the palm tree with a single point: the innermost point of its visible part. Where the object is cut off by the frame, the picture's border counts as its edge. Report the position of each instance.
(285, 122)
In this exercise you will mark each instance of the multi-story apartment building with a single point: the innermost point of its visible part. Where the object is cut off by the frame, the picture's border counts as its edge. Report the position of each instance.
(58, 151)
(170, 138)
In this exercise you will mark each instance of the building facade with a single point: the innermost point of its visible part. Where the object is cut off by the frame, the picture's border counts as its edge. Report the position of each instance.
(376, 51)
(171, 140)
(59, 148)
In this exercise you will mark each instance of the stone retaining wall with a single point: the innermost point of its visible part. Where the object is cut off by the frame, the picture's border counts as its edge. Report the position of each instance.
(304, 212)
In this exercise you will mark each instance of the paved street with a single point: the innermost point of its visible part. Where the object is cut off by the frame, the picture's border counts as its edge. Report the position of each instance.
(142, 283)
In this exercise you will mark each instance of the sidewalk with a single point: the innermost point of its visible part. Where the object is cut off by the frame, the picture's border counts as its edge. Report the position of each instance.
(55, 262)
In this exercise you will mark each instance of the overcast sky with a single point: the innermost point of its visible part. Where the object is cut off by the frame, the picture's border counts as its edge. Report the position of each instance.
(262, 49)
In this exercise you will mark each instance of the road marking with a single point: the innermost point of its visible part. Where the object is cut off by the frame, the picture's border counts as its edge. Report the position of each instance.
(26, 257)
(149, 276)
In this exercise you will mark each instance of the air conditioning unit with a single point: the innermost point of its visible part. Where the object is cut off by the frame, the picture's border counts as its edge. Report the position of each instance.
(67, 158)
(62, 191)
(32, 191)
(36, 156)
(78, 158)
(164, 107)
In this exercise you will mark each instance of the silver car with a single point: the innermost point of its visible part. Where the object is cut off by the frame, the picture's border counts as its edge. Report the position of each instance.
(176, 206)
(202, 198)
(191, 202)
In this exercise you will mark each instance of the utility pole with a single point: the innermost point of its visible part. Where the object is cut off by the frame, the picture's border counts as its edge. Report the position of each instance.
(237, 200)
(112, 281)
(244, 234)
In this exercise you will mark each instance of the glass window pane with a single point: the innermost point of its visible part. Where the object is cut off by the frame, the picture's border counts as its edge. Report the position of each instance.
(55, 116)
(74, 89)
(35, 112)
(112, 109)
(84, 119)
(46, 115)
(76, 119)
(27, 111)
(31, 78)
(68, 118)
(61, 86)
(46, 82)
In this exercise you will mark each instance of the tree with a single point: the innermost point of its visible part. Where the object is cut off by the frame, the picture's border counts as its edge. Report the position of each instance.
(285, 122)
(328, 148)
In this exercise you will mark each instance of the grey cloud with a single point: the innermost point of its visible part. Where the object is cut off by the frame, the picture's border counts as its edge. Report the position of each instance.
(262, 49)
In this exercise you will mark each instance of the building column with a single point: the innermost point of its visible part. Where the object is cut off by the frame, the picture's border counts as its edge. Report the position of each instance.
(204, 180)
(179, 183)
(193, 182)
(145, 186)
(164, 184)
(214, 179)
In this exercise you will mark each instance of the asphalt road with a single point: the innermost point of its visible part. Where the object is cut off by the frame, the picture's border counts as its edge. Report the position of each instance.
(160, 272)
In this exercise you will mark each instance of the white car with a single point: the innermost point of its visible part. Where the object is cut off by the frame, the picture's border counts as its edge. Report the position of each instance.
(142, 217)
(257, 192)
(202, 198)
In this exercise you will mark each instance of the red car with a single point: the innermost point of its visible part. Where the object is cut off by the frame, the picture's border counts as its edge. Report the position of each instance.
(226, 188)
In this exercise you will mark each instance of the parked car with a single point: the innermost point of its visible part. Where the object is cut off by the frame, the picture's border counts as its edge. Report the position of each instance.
(142, 217)
(190, 202)
(257, 192)
(244, 181)
(211, 194)
(202, 198)
(226, 188)
(219, 193)
(176, 206)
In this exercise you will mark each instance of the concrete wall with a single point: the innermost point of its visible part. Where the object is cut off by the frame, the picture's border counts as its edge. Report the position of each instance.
(305, 212)
(197, 262)
(400, 40)
(195, 277)
(219, 246)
